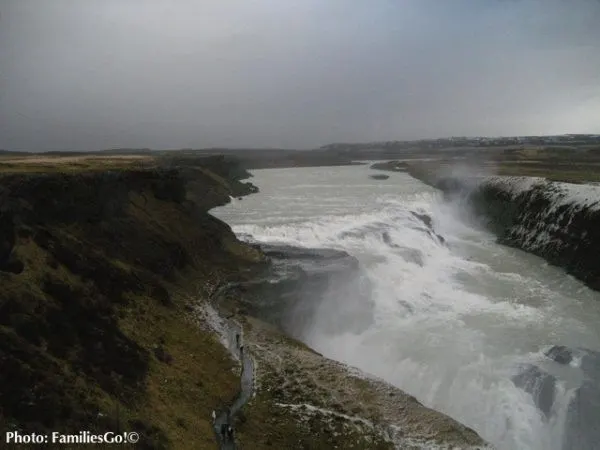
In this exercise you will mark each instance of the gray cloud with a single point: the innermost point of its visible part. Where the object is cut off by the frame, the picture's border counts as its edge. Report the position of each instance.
(193, 73)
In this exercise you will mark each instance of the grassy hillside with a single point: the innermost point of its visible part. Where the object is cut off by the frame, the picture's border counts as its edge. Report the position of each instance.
(98, 272)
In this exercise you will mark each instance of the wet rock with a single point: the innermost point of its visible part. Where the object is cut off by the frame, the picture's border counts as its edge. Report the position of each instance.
(426, 219)
(412, 255)
(560, 354)
(540, 385)
(385, 236)
(379, 177)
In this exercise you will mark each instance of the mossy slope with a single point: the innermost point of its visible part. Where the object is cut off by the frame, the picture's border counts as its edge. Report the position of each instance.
(95, 269)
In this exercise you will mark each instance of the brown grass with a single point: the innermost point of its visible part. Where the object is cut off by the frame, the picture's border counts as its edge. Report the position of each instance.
(37, 163)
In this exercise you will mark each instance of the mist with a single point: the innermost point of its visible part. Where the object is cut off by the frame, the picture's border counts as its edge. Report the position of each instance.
(189, 74)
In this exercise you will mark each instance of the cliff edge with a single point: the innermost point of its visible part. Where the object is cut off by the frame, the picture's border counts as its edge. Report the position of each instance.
(557, 221)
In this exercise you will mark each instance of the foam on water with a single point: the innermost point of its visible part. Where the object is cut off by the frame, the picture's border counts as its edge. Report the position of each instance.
(452, 319)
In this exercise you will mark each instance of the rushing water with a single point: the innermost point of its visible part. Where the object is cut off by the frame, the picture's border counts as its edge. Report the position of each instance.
(452, 321)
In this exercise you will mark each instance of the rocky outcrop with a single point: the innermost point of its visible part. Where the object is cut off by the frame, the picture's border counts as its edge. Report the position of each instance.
(558, 221)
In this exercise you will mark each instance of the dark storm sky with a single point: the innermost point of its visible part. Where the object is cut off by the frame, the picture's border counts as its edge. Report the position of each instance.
(92, 74)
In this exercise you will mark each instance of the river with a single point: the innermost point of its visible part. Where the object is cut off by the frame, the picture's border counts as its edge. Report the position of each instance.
(451, 321)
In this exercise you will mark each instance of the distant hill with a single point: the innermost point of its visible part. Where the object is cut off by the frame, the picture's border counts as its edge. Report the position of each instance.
(10, 153)
(64, 153)
(126, 151)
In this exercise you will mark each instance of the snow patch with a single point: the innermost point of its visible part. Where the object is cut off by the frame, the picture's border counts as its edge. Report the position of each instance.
(210, 320)
(391, 433)
(514, 185)
(561, 194)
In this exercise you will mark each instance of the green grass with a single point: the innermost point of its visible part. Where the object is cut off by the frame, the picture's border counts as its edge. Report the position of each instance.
(564, 174)
(568, 173)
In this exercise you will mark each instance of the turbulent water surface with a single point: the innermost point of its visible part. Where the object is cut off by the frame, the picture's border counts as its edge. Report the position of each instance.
(451, 317)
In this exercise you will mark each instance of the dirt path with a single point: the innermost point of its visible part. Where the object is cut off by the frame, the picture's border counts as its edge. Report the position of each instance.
(224, 418)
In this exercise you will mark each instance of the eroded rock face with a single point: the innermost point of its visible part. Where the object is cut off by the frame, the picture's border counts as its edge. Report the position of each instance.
(557, 221)
(428, 222)
(540, 385)
(424, 218)
(560, 354)
(544, 220)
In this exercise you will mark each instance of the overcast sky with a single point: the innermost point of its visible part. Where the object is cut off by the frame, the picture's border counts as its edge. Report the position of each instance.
(93, 74)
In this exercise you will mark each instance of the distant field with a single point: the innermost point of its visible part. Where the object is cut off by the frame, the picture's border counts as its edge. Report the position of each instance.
(576, 164)
(571, 166)
(568, 174)
(42, 163)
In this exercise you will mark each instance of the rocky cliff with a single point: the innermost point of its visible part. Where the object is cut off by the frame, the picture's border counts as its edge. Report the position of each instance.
(558, 221)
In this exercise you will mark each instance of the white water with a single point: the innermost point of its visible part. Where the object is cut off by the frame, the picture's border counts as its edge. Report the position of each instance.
(450, 324)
